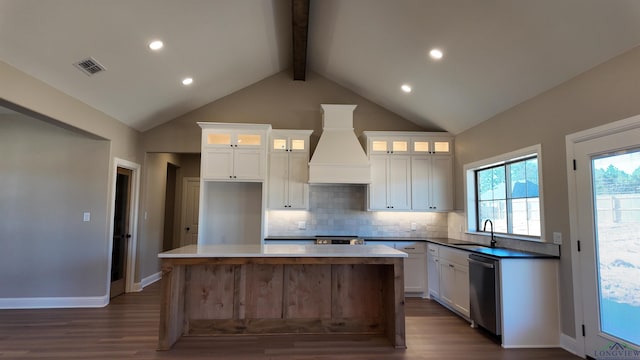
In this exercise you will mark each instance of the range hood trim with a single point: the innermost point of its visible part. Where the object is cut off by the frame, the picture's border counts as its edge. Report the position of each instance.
(339, 157)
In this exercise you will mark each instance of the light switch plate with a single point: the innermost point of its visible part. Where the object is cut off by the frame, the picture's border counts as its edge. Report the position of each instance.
(557, 238)
(86, 216)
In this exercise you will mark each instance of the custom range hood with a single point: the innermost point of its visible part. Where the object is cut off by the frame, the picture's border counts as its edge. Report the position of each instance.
(339, 157)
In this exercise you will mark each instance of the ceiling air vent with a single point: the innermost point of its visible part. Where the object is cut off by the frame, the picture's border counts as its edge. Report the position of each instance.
(89, 66)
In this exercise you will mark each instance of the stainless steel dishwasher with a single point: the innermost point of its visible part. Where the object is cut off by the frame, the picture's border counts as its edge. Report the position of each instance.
(484, 293)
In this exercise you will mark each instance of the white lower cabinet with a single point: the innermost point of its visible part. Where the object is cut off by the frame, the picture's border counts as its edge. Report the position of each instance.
(415, 268)
(450, 285)
(433, 271)
(415, 265)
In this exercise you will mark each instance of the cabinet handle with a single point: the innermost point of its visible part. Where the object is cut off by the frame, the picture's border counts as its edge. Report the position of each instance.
(230, 177)
(450, 265)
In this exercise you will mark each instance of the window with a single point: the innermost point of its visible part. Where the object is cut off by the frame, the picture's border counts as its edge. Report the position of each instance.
(507, 191)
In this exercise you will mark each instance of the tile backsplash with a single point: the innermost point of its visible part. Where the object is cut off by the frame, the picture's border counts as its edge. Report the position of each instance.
(341, 210)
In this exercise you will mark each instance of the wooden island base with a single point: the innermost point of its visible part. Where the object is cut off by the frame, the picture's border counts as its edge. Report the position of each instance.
(208, 296)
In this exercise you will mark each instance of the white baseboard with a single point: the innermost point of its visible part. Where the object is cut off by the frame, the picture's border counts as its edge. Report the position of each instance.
(147, 281)
(568, 343)
(54, 302)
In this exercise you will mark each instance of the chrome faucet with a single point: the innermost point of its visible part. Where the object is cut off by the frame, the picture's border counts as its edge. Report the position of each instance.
(484, 228)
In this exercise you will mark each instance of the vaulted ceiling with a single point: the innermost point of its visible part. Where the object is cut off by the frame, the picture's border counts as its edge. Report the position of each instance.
(497, 53)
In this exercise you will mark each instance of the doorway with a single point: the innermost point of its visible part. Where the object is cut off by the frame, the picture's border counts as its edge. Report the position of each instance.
(121, 231)
(169, 239)
(123, 227)
(190, 211)
(605, 211)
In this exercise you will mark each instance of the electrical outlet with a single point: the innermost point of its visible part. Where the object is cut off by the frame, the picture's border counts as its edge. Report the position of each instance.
(414, 226)
(557, 238)
(302, 225)
(86, 217)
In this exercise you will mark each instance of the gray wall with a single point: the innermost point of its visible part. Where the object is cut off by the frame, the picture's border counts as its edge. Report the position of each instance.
(57, 254)
(49, 177)
(606, 93)
(276, 100)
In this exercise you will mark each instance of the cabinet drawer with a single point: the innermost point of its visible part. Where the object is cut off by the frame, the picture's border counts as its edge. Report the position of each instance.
(454, 255)
(411, 247)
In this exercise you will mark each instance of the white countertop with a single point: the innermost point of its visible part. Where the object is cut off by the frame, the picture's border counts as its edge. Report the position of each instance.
(282, 250)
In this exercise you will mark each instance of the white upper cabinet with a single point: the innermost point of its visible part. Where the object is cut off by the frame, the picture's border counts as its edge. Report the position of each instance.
(431, 183)
(410, 170)
(390, 187)
(289, 169)
(232, 152)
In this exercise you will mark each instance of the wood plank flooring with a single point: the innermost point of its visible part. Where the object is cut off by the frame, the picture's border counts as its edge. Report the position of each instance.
(128, 329)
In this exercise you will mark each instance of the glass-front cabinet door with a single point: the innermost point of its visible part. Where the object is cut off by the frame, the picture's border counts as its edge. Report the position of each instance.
(290, 140)
(389, 146)
(230, 138)
(431, 145)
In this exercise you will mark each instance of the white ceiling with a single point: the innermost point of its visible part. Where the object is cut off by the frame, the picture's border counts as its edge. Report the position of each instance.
(498, 53)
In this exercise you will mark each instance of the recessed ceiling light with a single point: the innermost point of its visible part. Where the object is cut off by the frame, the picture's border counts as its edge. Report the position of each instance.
(187, 81)
(406, 88)
(156, 45)
(436, 54)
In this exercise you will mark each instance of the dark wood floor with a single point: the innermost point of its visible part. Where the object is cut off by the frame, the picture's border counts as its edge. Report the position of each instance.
(128, 329)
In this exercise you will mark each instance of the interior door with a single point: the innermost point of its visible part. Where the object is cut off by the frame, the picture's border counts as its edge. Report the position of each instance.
(121, 232)
(190, 206)
(608, 203)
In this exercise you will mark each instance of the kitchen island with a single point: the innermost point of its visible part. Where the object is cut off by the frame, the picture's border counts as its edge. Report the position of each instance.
(210, 290)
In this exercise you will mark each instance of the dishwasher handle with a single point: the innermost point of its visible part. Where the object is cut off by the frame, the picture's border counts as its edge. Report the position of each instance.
(489, 265)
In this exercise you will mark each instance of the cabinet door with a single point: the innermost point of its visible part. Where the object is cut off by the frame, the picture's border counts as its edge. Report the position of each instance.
(278, 180)
(433, 273)
(378, 186)
(217, 163)
(420, 175)
(298, 189)
(415, 266)
(248, 164)
(414, 273)
(447, 281)
(441, 179)
(441, 146)
(399, 186)
(461, 292)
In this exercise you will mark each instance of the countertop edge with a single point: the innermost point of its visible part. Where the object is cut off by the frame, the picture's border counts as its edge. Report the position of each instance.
(452, 243)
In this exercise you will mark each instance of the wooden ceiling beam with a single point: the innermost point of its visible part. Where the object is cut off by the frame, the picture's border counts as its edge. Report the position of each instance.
(300, 29)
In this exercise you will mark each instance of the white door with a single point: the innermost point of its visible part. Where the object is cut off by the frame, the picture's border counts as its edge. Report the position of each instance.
(278, 180)
(298, 177)
(248, 164)
(608, 220)
(420, 175)
(441, 181)
(217, 163)
(378, 186)
(190, 204)
(399, 182)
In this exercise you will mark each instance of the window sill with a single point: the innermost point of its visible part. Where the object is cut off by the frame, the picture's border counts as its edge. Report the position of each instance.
(507, 236)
